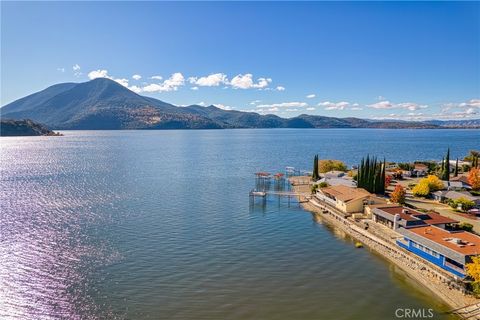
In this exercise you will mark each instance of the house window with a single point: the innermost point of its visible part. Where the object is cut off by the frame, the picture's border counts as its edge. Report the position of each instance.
(425, 249)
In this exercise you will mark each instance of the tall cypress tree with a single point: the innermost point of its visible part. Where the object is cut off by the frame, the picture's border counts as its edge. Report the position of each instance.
(371, 175)
(446, 170)
(456, 168)
(315, 173)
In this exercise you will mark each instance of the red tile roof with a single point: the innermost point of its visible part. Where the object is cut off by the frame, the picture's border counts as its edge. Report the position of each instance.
(413, 215)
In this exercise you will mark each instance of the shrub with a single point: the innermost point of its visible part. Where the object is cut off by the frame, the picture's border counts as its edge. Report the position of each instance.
(463, 203)
(323, 184)
(434, 183)
(466, 226)
(421, 190)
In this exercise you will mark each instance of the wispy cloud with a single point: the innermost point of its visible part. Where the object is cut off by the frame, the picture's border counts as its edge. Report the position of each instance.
(77, 70)
(283, 105)
(342, 105)
(136, 77)
(311, 96)
(385, 104)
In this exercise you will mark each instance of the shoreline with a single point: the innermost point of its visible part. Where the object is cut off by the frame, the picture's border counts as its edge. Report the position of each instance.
(417, 269)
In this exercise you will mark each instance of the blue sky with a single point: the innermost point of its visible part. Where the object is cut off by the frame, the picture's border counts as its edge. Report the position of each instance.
(404, 60)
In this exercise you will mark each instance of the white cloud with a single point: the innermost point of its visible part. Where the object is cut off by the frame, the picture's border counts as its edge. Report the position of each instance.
(291, 110)
(310, 109)
(61, 69)
(280, 88)
(267, 110)
(334, 106)
(469, 113)
(135, 89)
(101, 73)
(255, 102)
(283, 105)
(473, 103)
(156, 77)
(76, 67)
(389, 105)
(245, 81)
(382, 105)
(310, 96)
(201, 103)
(411, 106)
(223, 107)
(136, 77)
(380, 98)
(194, 88)
(212, 80)
(123, 82)
(175, 81)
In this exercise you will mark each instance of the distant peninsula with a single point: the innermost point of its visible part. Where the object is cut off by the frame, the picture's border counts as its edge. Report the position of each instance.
(9, 127)
(103, 104)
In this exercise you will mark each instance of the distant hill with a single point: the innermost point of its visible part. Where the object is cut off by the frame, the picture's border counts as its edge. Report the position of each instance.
(103, 104)
(10, 127)
(469, 123)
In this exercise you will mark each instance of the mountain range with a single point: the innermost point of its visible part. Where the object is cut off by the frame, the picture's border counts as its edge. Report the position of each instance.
(103, 104)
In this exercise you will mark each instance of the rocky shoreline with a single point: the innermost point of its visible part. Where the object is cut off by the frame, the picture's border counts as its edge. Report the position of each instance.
(440, 284)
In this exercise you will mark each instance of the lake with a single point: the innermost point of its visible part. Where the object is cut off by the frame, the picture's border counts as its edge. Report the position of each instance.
(158, 225)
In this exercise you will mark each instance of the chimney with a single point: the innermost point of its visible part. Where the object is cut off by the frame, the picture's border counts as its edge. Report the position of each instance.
(396, 218)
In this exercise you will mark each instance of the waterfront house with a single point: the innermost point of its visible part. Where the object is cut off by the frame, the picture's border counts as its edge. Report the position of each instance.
(346, 199)
(396, 216)
(420, 169)
(335, 178)
(445, 195)
(449, 250)
(334, 174)
(464, 180)
(456, 185)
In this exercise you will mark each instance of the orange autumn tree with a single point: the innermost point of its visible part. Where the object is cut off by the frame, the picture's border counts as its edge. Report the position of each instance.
(398, 195)
(474, 178)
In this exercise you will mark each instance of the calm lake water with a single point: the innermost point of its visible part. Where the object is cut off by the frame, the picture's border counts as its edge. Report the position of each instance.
(157, 225)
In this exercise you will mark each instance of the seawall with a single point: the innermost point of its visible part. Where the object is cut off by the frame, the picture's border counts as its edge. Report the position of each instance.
(438, 282)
